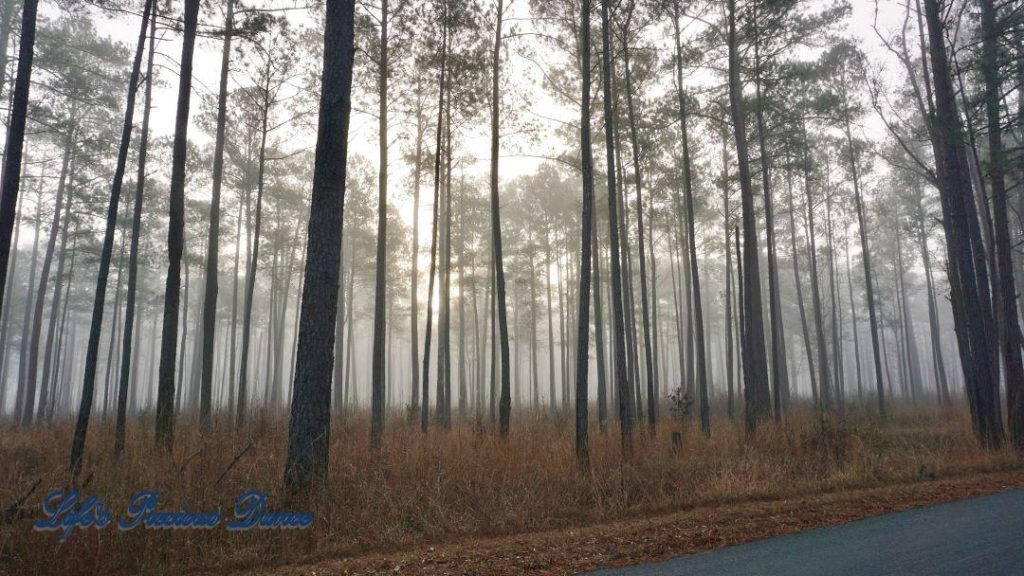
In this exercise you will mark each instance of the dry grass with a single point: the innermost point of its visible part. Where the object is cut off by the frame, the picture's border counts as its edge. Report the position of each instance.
(452, 486)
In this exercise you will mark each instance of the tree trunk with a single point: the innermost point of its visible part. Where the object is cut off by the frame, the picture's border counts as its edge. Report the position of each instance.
(741, 325)
(380, 295)
(277, 385)
(492, 312)
(644, 306)
(534, 376)
(675, 234)
(425, 404)
(698, 310)
(213, 245)
(175, 238)
(910, 340)
(941, 381)
(587, 241)
(655, 310)
(756, 395)
(505, 405)
(780, 372)
(967, 267)
(13, 150)
(462, 310)
(6, 24)
(232, 349)
(191, 376)
(128, 362)
(339, 334)
(563, 303)
(444, 365)
(478, 347)
(92, 351)
(47, 415)
(551, 328)
(798, 282)
(32, 359)
(1006, 317)
(837, 317)
(866, 256)
(414, 275)
(602, 380)
(350, 321)
(250, 276)
(729, 353)
(824, 380)
(629, 319)
(618, 318)
(179, 388)
(6, 315)
(310, 425)
(853, 314)
(19, 406)
(114, 328)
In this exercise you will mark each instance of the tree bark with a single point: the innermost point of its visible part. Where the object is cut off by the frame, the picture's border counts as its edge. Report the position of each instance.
(444, 365)
(115, 326)
(618, 318)
(182, 351)
(757, 395)
(47, 415)
(837, 317)
(824, 379)
(6, 24)
(14, 148)
(967, 266)
(462, 308)
(644, 305)
(1007, 317)
(19, 406)
(586, 245)
(798, 282)
(729, 353)
(425, 404)
(92, 349)
(866, 256)
(6, 315)
(602, 380)
(250, 275)
(780, 372)
(310, 425)
(698, 309)
(175, 238)
(853, 314)
(550, 318)
(213, 245)
(505, 405)
(941, 380)
(414, 275)
(32, 359)
(128, 361)
(380, 295)
(910, 340)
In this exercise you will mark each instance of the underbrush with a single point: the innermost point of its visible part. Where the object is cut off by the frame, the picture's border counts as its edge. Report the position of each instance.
(447, 486)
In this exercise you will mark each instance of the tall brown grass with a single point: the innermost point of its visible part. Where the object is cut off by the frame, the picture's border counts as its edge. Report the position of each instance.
(449, 486)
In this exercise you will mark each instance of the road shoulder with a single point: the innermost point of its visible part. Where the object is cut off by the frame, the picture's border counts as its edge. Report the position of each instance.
(661, 537)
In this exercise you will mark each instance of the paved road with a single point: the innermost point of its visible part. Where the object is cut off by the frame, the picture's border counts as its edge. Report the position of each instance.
(976, 537)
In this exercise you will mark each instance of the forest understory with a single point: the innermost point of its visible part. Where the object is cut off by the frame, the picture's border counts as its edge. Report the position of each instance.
(388, 510)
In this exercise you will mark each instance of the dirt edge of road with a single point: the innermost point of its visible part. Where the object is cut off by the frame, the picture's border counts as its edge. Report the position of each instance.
(660, 537)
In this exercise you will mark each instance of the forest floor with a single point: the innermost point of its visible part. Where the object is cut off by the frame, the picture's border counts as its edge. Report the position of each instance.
(467, 502)
(657, 538)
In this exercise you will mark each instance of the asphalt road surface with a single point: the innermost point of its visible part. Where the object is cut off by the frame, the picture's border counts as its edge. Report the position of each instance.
(976, 537)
